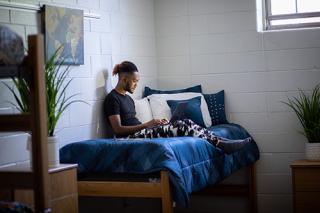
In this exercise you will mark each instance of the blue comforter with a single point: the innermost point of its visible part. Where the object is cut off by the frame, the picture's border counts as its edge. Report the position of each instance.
(193, 163)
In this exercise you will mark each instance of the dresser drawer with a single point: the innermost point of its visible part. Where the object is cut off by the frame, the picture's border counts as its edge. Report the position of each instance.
(63, 190)
(66, 205)
(63, 183)
(307, 179)
(307, 202)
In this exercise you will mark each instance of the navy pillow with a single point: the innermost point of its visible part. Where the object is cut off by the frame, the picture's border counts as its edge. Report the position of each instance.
(216, 109)
(148, 91)
(191, 109)
(178, 112)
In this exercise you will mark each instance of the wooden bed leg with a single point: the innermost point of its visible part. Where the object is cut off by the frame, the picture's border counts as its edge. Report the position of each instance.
(166, 199)
(252, 189)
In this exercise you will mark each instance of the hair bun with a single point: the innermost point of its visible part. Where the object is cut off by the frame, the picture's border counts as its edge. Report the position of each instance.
(116, 69)
(124, 67)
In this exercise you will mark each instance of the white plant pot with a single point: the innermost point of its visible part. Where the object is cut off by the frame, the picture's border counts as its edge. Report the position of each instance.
(53, 151)
(312, 151)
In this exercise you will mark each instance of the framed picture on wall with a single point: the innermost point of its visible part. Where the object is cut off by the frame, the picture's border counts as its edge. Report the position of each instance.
(63, 29)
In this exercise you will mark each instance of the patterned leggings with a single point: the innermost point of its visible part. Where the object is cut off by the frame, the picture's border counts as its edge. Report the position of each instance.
(187, 127)
(184, 127)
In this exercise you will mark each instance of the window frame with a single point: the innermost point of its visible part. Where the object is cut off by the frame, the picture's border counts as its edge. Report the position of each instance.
(269, 17)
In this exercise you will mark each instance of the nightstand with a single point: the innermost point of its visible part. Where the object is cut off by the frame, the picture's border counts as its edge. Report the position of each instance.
(306, 186)
(63, 189)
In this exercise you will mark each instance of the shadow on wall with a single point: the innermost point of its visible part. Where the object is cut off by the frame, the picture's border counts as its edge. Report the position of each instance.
(110, 81)
(102, 82)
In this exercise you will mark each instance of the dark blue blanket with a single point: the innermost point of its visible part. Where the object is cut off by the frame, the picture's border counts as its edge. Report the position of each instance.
(230, 130)
(193, 163)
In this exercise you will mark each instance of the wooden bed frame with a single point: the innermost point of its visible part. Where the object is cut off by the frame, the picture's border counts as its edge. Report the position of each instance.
(161, 190)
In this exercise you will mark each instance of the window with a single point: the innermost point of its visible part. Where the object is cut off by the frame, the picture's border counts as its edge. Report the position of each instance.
(286, 14)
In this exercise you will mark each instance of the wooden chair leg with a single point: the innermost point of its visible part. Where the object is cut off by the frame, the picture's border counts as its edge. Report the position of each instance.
(252, 189)
(166, 199)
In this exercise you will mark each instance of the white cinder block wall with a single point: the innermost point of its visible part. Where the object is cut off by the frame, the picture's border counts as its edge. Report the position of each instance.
(125, 31)
(214, 43)
(178, 43)
(133, 39)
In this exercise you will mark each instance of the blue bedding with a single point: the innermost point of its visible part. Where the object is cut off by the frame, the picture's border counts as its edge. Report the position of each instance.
(230, 130)
(192, 163)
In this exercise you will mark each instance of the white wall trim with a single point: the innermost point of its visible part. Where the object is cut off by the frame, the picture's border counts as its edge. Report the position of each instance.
(35, 8)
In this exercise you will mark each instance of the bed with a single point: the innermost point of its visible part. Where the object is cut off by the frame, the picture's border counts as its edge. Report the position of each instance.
(166, 168)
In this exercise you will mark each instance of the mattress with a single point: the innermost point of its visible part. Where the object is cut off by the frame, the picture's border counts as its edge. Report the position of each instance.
(192, 163)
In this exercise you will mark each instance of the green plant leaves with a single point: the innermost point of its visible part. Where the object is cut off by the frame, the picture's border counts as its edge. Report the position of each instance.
(56, 86)
(307, 109)
(22, 97)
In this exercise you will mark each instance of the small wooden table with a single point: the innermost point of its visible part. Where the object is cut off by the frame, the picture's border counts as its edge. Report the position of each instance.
(306, 186)
(63, 189)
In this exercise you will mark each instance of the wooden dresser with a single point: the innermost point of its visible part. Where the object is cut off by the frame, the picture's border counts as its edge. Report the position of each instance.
(306, 186)
(63, 189)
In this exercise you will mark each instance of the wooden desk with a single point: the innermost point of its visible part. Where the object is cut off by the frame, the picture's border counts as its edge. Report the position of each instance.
(63, 190)
(306, 186)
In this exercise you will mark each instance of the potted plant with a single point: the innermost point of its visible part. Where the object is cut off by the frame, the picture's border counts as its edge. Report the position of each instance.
(57, 102)
(307, 109)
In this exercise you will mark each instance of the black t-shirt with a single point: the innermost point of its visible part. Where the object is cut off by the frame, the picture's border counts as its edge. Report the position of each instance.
(123, 105)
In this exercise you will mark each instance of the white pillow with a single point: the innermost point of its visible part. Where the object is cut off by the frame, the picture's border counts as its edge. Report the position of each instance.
(143, 110)
(160, 108)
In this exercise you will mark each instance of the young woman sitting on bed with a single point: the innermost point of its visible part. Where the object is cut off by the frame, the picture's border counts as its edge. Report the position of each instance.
(120, 112)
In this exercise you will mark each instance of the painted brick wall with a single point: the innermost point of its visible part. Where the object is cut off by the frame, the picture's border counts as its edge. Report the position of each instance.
(214, 43)
(125, 31)
(178, 43)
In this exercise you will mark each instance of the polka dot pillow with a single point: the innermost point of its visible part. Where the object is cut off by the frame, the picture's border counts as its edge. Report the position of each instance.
(215, 104)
